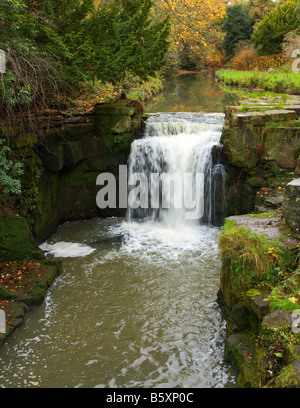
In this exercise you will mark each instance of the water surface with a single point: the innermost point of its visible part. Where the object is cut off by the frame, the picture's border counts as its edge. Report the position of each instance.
(192, 93)
(137, 313)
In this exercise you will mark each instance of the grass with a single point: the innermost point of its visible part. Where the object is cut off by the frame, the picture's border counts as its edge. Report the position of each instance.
(255, 261)
(276, 82)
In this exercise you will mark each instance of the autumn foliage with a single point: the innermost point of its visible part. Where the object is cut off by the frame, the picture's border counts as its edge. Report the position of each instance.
(248, 60)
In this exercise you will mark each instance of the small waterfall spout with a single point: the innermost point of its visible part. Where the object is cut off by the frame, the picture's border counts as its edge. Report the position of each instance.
(175, 156)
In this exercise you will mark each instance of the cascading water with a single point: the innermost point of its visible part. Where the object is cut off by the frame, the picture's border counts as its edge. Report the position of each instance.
(140, 312)
(180, 144)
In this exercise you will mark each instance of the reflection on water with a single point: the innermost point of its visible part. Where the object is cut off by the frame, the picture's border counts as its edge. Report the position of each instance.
(192, 93)
(139, 311)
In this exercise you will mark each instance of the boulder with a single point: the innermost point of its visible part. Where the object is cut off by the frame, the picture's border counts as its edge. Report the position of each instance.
(16, 239)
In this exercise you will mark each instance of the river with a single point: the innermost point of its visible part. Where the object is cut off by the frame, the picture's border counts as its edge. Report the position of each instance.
(136, 304)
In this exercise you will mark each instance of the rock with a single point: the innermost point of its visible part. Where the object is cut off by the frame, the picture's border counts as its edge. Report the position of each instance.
(257, 307)
(274, 201)
(291, 207)
(259, 223)
(280, 144)
(276, 321)
(240, 350)
(16, 239)
(52, 157)
(113, 119)
(15, 311)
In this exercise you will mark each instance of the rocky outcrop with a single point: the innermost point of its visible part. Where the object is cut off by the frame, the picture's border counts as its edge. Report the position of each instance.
(257, 137)
(72, 152)
(16, 239)
(257, 299)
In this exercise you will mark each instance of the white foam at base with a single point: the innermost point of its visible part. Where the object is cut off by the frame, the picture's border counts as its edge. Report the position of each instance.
(66, 249)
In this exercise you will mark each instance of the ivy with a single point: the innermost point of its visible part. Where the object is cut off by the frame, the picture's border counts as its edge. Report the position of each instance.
(10, 171)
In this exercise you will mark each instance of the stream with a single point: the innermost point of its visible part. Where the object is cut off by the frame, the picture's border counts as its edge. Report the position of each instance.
(135, 306)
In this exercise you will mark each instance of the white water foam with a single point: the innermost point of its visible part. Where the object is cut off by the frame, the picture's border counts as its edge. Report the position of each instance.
(67, 249)
(177, 144)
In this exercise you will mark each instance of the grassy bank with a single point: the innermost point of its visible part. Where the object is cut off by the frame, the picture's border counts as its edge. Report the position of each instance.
(260, 294)
(276, 81)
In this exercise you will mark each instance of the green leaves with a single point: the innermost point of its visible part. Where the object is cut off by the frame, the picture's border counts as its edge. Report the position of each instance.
(9, 171)
(269, 35)
(104, 42)
(237, 25)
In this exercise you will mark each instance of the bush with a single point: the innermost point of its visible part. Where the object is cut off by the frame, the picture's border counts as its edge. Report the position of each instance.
(216, 62)
(245, 60)
(248, 60)
(270, 33)
(276, 61)
(9, 172)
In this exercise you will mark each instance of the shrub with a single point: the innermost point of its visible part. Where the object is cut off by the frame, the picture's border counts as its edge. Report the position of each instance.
(216, 61)
(245, 60)
(9, 172)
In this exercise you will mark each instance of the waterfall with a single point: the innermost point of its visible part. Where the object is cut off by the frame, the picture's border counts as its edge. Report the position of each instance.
(176, 145)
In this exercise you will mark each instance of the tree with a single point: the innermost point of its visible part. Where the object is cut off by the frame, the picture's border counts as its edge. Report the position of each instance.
(195, 31)
(269, 35)
(103, 41)
(259, 8)
(52, 46)
(237, 25)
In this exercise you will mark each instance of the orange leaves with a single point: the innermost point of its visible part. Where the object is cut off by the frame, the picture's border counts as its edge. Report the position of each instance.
(194, 22)
(16, 275)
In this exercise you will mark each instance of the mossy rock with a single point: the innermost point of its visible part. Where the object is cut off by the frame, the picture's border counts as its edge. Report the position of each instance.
(23, 140)
(113, 119)
(240, 350)
(16, 239)
(289, 377)
(37, 292)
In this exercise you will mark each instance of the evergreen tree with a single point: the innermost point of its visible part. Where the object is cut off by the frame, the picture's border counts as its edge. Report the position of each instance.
(237, 25)
(269, 35)
(104, 41)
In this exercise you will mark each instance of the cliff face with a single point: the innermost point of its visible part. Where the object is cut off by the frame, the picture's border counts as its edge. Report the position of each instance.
(261, 147)
(62, 164)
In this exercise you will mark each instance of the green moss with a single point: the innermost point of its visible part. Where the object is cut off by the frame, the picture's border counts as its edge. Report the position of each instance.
(267, 214)
(249, 258)
(296, 153)
(16, 239)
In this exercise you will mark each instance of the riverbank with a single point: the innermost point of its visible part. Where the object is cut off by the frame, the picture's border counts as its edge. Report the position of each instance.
(274, 81)
(260, 275)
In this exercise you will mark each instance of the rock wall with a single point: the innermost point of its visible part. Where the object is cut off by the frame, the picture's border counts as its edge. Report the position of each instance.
(70, 155)
(254, 142)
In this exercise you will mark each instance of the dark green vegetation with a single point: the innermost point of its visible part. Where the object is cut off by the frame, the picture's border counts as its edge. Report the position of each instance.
(238, 26)
(52, 48)
(269, 36)
(264, 22)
